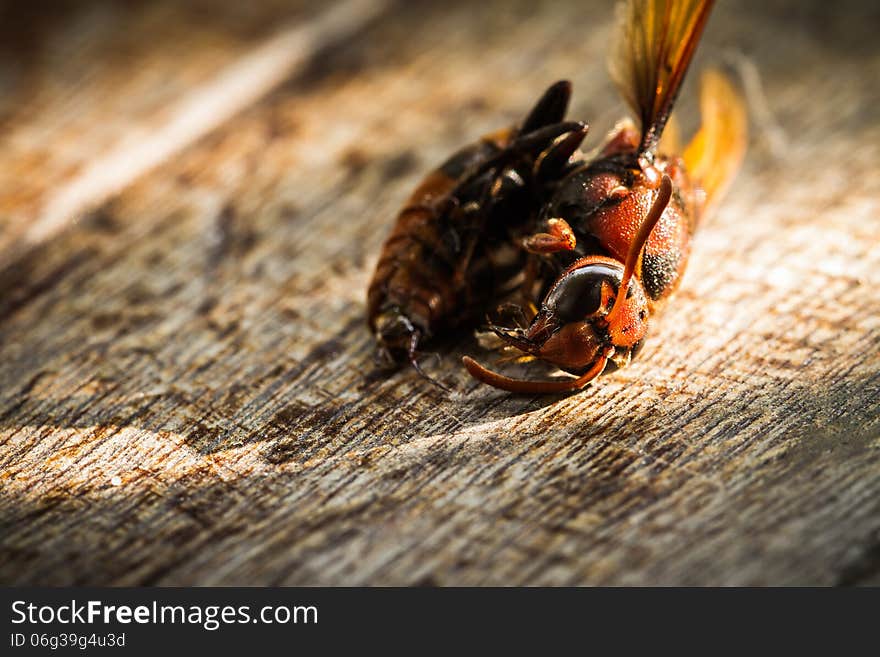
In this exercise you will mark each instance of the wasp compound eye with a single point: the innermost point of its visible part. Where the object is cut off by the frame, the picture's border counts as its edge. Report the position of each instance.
(584, 292)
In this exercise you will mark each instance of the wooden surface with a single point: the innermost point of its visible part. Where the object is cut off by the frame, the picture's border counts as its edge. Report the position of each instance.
(186, 386)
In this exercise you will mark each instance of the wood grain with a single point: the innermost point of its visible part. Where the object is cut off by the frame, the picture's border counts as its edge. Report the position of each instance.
(187, 393)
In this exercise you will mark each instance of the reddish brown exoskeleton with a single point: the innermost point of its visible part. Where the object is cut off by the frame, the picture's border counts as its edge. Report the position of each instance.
(451, 251)
(618, 228)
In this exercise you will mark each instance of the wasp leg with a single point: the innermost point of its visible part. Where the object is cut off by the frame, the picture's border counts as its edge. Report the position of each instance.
(384, 359)
(526, 289)
(536, 141)
(414, 361)
(550, 108)
(559, 237)
(514, 337)
(503, 185)
(552, 162)
(513, 311)
(527, 143)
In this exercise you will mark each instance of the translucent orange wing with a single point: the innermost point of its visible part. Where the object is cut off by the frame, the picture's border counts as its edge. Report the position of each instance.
(715, 153)
(654, 45)
(670, 142)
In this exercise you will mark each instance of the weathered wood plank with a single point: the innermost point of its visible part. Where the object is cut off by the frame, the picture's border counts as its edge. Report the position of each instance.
(186, 393)
(161, 76)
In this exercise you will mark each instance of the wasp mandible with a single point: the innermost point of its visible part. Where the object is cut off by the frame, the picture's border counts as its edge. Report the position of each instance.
(618, 228)
(451, 250)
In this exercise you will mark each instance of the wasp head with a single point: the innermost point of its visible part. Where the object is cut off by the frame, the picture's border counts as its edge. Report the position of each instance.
(596, 313)
(578, 322)
(581, 328)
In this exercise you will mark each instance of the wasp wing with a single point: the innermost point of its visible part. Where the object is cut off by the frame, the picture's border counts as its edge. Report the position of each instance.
(670, 142)
(654, 45)
(714, 155)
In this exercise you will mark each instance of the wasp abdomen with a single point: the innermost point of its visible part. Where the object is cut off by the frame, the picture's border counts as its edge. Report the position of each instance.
(420, 280)
(451, 246)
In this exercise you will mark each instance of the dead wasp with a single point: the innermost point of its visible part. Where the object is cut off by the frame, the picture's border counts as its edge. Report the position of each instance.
(618, 227)
(450, 250)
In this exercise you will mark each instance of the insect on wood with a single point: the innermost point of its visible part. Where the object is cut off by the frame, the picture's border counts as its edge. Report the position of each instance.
(603, 241)
(450, 252)
(621, 224)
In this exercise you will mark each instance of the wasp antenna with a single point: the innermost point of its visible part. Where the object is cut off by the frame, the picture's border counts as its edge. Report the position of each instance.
(641, 238)
(524, 386)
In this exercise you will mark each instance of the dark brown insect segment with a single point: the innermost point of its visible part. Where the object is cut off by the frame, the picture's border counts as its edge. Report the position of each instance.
(618, 228)
(451, 250)
(595, 312)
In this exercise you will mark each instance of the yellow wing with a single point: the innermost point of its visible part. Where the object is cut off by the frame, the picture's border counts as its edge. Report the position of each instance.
(654, 45)
(670, 142)
(715, 153)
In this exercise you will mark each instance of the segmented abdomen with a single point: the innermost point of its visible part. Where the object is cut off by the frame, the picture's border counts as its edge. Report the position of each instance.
(428, 268)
